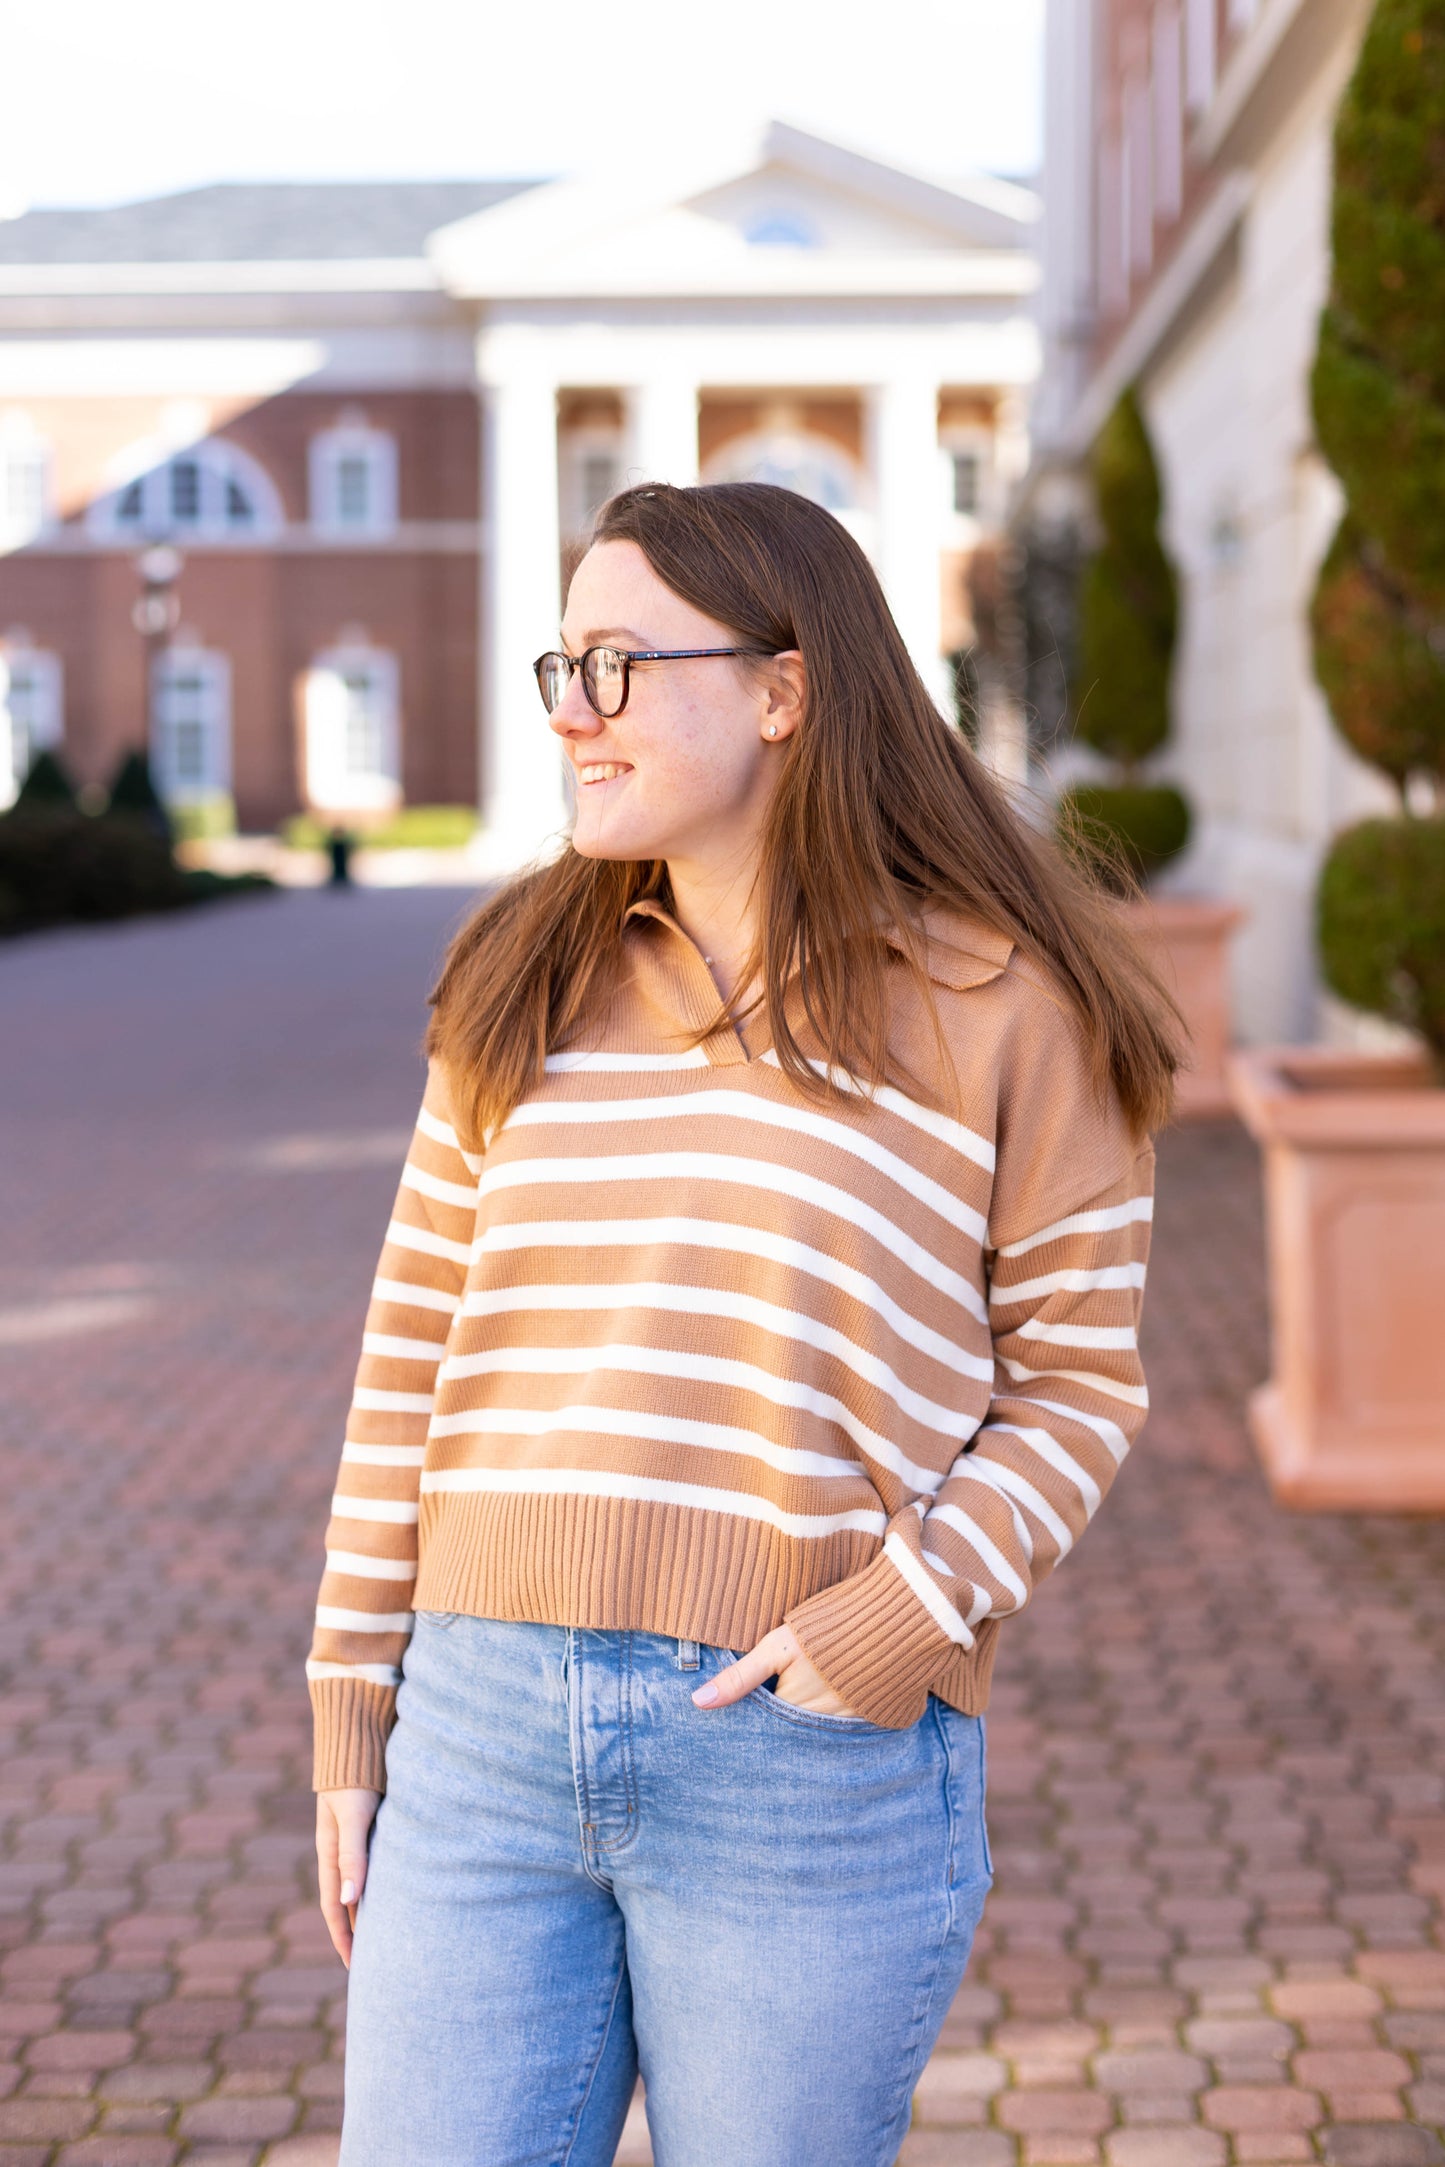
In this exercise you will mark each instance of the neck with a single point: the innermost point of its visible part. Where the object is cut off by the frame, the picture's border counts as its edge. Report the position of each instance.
(714, 905)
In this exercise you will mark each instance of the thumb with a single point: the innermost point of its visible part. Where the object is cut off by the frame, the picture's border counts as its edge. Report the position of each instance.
(351, 1863)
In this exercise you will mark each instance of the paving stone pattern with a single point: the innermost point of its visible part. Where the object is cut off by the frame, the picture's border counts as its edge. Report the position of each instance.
(1217, 1742)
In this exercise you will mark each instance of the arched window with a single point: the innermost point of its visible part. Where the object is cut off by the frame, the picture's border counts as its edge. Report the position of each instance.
(353, 479)
(191, 724)
(32, 717)
(209, 492)
(352, 729)
(791, 459)
(781, 228)
(24, 480)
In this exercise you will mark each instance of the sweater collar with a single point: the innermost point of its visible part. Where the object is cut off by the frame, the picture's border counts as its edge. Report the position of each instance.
(960, 950)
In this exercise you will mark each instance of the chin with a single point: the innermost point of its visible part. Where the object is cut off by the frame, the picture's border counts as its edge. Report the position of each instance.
(600, 837)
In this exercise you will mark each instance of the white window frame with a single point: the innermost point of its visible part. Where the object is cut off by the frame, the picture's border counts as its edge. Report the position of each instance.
(576, 449)
(21, 738)
(333, 783)
(145, 476)
(212, 673)
(352, 438)
(26, 509)
(962, 529)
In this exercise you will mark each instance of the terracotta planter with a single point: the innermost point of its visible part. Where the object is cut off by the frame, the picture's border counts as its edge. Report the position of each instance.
(1187, 940)
(1353, 1419)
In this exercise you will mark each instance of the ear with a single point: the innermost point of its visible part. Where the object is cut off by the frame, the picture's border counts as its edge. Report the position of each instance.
(783, 696)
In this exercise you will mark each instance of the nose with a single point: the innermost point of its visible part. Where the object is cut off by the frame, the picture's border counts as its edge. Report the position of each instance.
(572, 717)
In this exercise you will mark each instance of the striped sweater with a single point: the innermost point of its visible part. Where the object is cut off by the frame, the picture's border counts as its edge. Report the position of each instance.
(687, 1351)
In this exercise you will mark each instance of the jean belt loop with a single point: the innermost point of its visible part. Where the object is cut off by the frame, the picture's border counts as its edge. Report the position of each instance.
(687, 1656)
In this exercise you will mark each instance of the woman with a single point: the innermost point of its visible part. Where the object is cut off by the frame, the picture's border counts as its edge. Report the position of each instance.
(755, 1329)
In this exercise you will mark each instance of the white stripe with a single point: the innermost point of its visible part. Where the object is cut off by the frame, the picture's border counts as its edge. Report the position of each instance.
(941, 1126)
(1109, 1432)
(587, 1482)
(364, 1621)
(391, 1403)
(1138, 1209)
(628, 1294)
(562, 1064)
(389, 1509)
(989, 1553)
(1070, 1282)
(369, 1673)
(383, 1455)
(1133, 1395)
(761, 1174)
(647, 1361)
(358, 1566)
(403, 1295)
(1048, 1448)
(738, 1106)
(744, 1241)
(1074, 1335)
(995, 1475)
(403, 1350)
(939, 1565)
(462, 1194)
(441, 1132)
(934, 1601)
(427, 1244)
(658, 1428)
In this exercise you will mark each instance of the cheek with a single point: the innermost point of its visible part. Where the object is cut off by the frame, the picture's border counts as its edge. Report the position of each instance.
(700, 763)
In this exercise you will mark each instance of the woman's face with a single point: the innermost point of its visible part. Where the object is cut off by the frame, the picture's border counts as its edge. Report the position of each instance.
(684, 773)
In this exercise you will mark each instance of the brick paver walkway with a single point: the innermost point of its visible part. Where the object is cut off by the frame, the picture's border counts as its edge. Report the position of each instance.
(1218, 1742)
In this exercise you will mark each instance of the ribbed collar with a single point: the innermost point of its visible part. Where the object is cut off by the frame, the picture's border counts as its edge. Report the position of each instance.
(960, 951)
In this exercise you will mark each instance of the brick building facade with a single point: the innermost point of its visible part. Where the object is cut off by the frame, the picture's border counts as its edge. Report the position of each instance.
(372, 422)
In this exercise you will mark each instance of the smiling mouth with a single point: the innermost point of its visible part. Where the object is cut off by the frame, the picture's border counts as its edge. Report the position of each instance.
(603, 771)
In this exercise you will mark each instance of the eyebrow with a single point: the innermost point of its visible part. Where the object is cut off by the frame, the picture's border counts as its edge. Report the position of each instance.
(606, 635)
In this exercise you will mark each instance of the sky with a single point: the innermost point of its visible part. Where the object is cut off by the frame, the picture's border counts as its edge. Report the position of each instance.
(111, 102)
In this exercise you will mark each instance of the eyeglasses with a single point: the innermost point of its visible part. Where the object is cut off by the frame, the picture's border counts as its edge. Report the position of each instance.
(606, 673)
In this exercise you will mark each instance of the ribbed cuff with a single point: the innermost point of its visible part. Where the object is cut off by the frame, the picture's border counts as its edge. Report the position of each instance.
(353, 1721)
(874, 1643)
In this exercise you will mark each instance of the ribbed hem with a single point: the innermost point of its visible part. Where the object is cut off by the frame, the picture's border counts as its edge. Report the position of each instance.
(874, 1643)
(353, 1719)
(617, 1565)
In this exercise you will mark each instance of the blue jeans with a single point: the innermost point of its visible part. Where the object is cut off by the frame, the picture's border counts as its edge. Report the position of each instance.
(576, 1873)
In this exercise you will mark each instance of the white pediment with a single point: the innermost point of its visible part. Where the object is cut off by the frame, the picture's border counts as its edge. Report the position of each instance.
(786, 214)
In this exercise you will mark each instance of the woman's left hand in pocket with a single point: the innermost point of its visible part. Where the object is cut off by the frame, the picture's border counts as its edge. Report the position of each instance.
(777, 1655)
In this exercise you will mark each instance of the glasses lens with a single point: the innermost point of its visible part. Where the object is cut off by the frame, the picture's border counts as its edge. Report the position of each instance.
(553, 676)
(606, 679)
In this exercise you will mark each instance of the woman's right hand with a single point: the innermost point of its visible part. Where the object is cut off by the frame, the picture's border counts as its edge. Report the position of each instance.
(343, 1826)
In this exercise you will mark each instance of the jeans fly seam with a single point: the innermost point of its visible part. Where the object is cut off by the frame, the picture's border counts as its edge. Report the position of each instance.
(611, 1845)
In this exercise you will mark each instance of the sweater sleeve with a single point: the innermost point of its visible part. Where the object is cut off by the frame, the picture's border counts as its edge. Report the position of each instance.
(363, 1616)
(1065, 1272)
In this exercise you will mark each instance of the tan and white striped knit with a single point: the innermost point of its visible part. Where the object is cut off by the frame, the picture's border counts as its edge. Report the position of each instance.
(689, 1352)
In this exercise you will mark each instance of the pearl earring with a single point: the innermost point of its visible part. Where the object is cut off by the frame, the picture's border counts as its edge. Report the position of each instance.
(772, 729)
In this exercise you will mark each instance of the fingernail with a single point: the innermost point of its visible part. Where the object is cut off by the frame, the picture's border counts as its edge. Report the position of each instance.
(705, 1694)
(348, 1892)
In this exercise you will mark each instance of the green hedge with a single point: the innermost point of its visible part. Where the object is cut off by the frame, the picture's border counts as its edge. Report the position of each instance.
(59, 866)
(1125, 831)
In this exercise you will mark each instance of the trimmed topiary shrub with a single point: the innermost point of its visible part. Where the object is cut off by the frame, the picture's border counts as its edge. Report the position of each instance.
(1381, 917)
(1127, 623)
(47, 783)
(133, 793)
(58, 865)
(1378, 613)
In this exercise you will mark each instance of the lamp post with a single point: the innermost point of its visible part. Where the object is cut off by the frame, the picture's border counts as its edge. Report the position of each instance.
(155, 615)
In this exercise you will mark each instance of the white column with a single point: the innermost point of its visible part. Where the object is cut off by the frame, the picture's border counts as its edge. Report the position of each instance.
(523, 803)
(662, 431)
(908, 480)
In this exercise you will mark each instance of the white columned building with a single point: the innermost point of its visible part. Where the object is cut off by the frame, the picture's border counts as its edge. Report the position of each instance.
(789, 311)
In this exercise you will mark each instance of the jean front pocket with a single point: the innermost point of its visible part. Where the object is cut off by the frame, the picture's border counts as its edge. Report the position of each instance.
(440, 1619)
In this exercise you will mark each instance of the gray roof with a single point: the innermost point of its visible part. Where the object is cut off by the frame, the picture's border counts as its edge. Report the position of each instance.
(255, 222)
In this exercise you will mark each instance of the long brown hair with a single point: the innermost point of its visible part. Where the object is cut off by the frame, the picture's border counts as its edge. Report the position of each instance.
(880, 809)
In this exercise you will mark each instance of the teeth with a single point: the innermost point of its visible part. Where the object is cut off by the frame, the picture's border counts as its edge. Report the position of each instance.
(603, 773)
